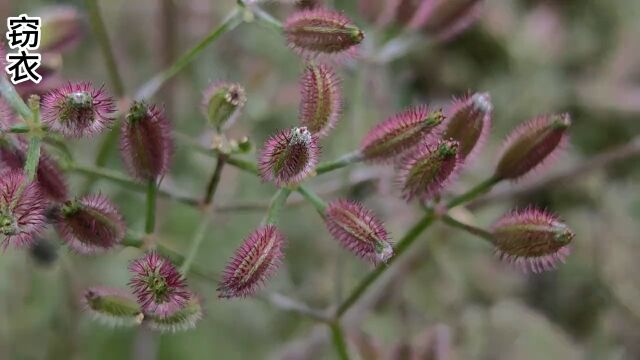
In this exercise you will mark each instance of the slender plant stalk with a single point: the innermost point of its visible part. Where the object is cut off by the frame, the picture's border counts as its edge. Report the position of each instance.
(35, 141)
(404, 243)
(275, 207)
(97, 23)
(345, 160)
(339, 342)
(13, 99)
(152, 192)
(476, 191)
(212, 186)
(288, 304)
(196, 241)
(481, 233)
(152, 86)
(313, 198)
(129, 183)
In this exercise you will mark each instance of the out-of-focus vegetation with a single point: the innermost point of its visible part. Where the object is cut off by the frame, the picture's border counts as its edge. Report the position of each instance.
(449, 292)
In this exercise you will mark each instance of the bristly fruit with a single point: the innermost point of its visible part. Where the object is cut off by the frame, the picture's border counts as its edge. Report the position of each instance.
(161, 290)
(113, 307)
(359, 230)
(289, 156)
(532, 239)
(182, 320)
(22, 209)
(90, 224)
(145, 142)
(254, 262)
(221, 102)
(429, 169)
(49, 175)
(531, 144)
(399, 133)
(468, 121)
(315, 32)
(321, 101)
(78, 109)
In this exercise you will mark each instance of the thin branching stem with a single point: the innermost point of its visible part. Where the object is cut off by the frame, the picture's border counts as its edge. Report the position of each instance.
(339, 340)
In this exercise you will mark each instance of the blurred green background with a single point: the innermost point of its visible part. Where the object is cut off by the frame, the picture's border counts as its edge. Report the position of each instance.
(449, 294)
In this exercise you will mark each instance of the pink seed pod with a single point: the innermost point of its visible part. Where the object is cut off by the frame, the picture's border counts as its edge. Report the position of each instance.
(315, 32)
(444, 19)
(111, 306)
(145, 142)
(532, 239)
(289, 156)
(61, 28)
(468, 121)
(22, 209)
(254, 262)
(531, 144)
(399, 133)
(321, 101)
(429, 169)
(160, 289)
(358, 230)
(221, 103)
(49, 175)
(78, 109)
(182, 320)
(91, 224)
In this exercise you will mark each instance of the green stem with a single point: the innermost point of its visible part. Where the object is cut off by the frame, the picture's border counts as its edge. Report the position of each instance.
(154, 84)
(215, 180)
(196, 242)
(129, 183)
(345, 160)
(152, 192)
(313, 198)
(245, 165)
(13, 99)
(33, 157)
(400, 248)
(337, 335)
(275, 206)
(482, 233)
(478, 190)
(97, 23)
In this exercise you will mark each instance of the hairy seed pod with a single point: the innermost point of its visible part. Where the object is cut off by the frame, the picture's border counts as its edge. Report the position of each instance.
(321, 101)
(399, 133)
(289, 156)
(113, 307)
(358, 230)
(22, 209)
(182, 320)
(221, 103)
(90, 224)
(532, 239)
(531, 144)
(429, 169)
(161, 290)
(315, 32)
(443, 19)
(145, 142)
(78, 109)
(49, 175)
(61, 28)
(254, 262)
(468, 121)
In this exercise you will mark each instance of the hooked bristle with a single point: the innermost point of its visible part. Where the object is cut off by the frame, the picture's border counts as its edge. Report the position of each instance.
(257, 259)
(289, 156)
(532, 239)
(399, 133)
(359, 230)
(321, 100)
